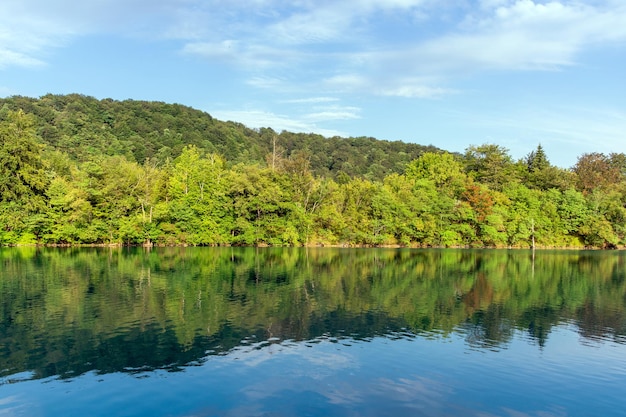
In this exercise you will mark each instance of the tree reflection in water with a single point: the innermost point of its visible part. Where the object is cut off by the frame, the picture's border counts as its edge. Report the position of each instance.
(69, 311)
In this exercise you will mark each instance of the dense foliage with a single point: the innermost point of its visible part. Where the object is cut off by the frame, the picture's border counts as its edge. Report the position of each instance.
(78, 170)
(85, 128)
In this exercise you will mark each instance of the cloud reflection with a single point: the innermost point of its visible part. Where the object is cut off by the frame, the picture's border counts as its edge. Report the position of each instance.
(326, 377)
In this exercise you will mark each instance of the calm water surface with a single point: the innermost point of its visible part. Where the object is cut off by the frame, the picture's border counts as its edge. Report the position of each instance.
(311, 332)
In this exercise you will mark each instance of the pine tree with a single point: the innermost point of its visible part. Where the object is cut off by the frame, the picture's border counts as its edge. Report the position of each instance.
(537, 160)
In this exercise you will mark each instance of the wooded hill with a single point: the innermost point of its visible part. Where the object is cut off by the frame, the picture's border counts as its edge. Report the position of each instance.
(76, 170)
(84, 127)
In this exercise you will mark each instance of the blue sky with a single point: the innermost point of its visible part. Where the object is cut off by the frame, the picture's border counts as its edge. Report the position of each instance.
(451, 73)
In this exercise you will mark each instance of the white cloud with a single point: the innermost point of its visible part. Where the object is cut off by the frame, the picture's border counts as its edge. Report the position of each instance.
(491, 4)
(334, 21)
(585, 129)
(336, 46)
(499, 35)
(266, 82)
(30, 28)
(414, 89)
(378, 84)
(347, 82)
(226, 49)
(320, 26)
(24, 38)
(312, 100)
(260, 118)
(335, 112)
(245, 55)
(524, 35)
(10, 58)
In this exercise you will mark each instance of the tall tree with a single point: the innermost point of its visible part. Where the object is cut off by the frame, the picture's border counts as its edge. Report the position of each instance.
(491, 165)
(596, 170)
(537, 160)
(538, 173)
(198, 193)
(21, 168)
(22, 179)
(442, 168)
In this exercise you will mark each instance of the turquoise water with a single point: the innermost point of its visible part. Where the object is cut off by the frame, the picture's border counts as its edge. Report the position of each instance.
(312, 332)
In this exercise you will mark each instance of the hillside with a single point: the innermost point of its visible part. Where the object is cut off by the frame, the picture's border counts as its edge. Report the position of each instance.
(82, 126)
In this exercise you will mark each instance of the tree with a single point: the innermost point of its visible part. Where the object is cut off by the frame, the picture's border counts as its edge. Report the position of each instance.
(491, 165)
(356, 209)
(596, 170)
(22, 174)
(407, 213)
(538, 173)
(525, 220)
(574, 212)
(618, 160)
(23, 180)
(263, 207)
(537, 160)
(442, 168)
(198, 193)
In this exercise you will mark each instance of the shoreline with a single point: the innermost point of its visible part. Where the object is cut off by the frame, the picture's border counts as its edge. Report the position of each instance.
(336, 246)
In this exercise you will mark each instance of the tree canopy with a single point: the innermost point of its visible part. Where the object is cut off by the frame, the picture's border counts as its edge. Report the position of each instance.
(76, 170)
(83, 127)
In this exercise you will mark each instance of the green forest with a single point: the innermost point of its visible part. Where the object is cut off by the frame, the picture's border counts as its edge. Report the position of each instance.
(78, 170)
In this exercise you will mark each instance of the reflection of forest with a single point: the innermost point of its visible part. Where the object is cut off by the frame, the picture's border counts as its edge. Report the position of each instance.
(67, 311)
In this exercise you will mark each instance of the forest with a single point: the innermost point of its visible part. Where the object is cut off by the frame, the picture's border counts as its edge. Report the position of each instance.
(77, 170)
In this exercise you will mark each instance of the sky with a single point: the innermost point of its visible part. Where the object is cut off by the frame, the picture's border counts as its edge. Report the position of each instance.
(448, 73)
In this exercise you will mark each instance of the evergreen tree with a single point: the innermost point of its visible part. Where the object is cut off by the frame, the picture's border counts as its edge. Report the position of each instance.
(21, 168)
(537, 160)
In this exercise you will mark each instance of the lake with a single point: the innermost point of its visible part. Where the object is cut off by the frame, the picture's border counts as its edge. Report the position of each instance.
(200, 332)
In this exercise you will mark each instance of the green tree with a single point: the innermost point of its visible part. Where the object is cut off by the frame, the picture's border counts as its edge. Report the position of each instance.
(327, 221)
(23, 180)
(356, 209)
(491, 165)
(198, 205)
(443, 169)
(22, 175)
(537, 160)
(263, 208)
(525, 222)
